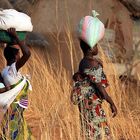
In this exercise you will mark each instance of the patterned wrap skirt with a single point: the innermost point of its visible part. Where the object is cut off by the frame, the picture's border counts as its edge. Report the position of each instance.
(13, 125)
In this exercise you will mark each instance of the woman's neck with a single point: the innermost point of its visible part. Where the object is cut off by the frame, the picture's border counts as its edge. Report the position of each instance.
(88, 55)
(9, 63)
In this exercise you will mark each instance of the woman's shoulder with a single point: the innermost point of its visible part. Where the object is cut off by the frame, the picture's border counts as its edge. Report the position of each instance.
(9, 69)
(96, 62)
(88, 63)
(4, 71)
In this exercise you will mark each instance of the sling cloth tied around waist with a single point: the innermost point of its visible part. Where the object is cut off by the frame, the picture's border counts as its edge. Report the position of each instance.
(8, 97)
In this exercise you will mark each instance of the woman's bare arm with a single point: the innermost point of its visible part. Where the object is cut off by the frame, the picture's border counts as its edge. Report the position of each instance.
(107, 98)
(104, 94)
(25, 50)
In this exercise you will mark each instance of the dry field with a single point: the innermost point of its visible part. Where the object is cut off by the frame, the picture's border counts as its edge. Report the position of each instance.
(51, 114)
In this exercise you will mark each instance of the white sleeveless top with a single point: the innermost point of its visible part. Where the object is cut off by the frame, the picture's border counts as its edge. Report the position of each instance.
(10, 75)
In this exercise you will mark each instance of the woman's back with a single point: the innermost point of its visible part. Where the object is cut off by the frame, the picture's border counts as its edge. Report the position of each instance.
(87, 63)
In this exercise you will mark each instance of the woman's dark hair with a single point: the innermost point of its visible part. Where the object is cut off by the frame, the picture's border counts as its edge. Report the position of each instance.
(84, 46)
(10, 52)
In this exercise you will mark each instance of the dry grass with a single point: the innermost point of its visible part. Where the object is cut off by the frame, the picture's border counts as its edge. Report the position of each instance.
(51, 114)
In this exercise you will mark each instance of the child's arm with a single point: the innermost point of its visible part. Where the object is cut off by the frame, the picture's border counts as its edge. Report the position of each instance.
(3, 90)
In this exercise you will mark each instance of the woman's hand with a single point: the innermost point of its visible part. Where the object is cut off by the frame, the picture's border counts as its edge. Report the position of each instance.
(107, 98)
(25, 50)
(12, 32)
(114, 110)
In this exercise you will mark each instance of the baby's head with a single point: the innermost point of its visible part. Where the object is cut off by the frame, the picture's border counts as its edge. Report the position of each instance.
(78, 76)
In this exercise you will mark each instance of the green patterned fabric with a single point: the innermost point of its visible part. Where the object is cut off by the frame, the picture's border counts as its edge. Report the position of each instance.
(4, 36)
(14, 126)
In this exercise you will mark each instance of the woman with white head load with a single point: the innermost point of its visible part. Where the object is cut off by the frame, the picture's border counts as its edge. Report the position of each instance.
(14, 101)
(90, 82)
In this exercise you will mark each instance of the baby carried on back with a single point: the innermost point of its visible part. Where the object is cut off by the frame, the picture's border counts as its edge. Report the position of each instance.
(9, 93)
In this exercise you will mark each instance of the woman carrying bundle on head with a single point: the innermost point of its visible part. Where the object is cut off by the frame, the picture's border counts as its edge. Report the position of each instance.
(90, 82)
(14, 101)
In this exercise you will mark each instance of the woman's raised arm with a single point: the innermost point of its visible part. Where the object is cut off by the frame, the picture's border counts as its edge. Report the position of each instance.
(25, 50)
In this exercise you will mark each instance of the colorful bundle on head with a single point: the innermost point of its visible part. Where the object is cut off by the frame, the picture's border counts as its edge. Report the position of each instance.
(91, 29)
